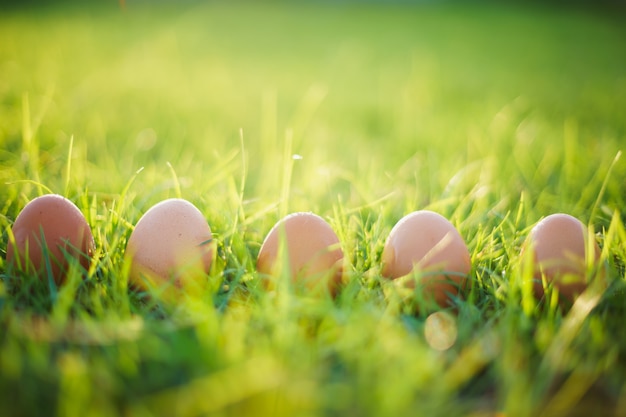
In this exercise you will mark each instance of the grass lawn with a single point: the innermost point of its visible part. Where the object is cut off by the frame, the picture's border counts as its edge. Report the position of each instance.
(493, 116)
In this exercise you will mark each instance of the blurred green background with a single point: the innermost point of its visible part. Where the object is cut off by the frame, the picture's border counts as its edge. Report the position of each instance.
(493, 114)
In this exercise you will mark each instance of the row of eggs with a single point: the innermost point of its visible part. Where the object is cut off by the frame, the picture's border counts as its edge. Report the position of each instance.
(172, 244)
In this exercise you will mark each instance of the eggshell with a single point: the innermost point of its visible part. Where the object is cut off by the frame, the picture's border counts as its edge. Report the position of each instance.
(313, 250)
(559, 244)
(170, 244)
(427, 242)
(65, 234)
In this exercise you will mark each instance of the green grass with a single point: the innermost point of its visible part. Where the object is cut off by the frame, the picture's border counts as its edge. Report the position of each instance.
(493, 116)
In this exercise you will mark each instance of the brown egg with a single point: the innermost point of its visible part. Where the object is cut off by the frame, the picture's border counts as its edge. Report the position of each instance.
(314, 253)
(171, 244)
(427, 242)
(559, 244)
(52, 225)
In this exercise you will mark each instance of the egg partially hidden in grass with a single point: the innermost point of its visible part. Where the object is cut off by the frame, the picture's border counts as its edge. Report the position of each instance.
(561, 252)
(426, 243)
(50, 232)
(313, 254)
(170, 248)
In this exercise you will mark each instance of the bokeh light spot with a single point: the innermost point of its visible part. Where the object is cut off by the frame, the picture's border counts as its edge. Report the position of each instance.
(440, 330)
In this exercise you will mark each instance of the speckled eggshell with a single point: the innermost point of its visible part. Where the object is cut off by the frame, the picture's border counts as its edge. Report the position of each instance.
(559, 249)
(427, 242)
(65, 233)
(171, 243)
(313, 249)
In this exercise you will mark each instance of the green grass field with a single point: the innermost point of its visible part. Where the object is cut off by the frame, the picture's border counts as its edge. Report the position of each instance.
(494, 116)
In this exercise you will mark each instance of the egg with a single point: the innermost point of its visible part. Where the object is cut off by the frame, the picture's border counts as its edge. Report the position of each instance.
(50, 232)
(427, 243)
(170, 248)
(559, 250)
(314, 255)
